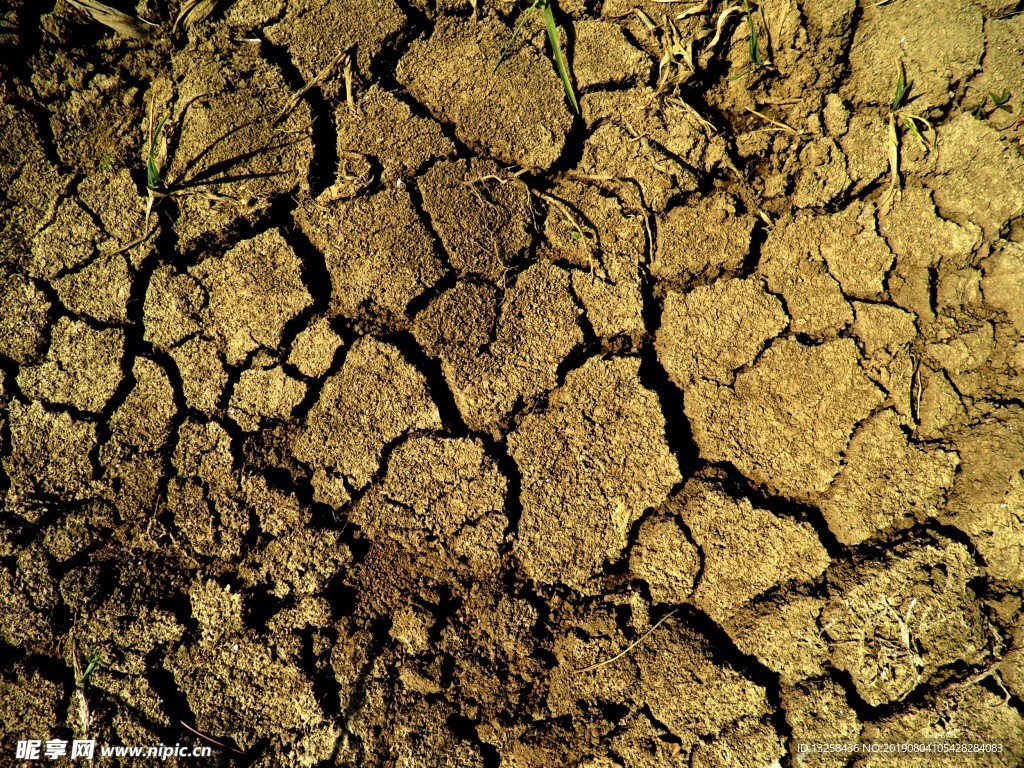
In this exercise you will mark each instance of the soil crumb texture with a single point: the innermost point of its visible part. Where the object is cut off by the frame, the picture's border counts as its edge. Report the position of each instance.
(470, 384)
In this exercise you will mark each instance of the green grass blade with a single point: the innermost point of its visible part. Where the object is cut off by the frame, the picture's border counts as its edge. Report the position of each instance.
(902, 87)
(95, 662)
(515, 33)
(755, 51)
(556, 49)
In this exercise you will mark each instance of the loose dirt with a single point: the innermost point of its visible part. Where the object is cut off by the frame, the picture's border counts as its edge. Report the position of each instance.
(424, 423)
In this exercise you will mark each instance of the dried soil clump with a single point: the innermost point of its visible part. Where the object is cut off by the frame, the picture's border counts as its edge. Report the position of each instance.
(376, 395)
(603, 55)
(48, 457)
(443, 500)
(144, 419)
(944, 48)
(81, 369)
(965, 142)
(702, 241)
(232, 672)
(896, 622)
(385, 129)
(607, 237)
(746, 550)
(495, 355)
(378, 252)
(885, 479)
(253, 291)
(969, 710)
(985, 498)
(799, 452)
(707, 333)
(665, 557)
(569, 482)
(348, 25)
(23, 323)
(481, 218)
(516, 114)
(264, 394)
(32, 183)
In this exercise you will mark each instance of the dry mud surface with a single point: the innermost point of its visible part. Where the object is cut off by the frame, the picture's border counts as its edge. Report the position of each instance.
(400, 419)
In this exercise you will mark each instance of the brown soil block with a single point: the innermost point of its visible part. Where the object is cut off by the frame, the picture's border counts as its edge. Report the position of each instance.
(363, 404)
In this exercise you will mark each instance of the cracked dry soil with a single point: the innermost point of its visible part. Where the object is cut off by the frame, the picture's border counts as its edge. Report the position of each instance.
(377, 451)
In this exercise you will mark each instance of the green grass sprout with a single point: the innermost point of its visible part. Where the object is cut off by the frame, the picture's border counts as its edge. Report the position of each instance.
(902, 87)
(94, 662)
(1000, 101)
(556, 49)
(515, 33)
(979, 113)
(107, 163)
(756, 58)
(154, 178)
(547, 10)
(901, 114)
(900, 109)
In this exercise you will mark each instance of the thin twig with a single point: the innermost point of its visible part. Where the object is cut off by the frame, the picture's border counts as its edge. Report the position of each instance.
(318, 78)
(777, 123)
(210, 739)
(703, 121)
(137, 241)
(566, 213)
(631, 646)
